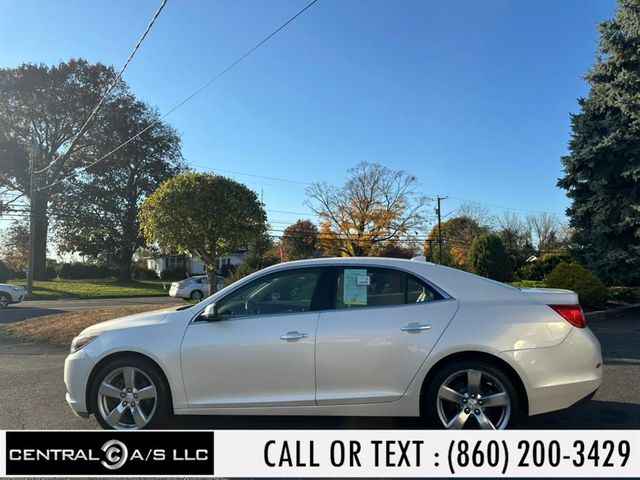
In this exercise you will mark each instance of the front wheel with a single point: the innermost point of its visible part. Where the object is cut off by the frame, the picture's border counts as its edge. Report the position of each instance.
(471, 395)
(4, 301)
(130, 394)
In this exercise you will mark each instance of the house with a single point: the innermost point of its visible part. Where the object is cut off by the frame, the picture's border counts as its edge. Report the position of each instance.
(191, 264)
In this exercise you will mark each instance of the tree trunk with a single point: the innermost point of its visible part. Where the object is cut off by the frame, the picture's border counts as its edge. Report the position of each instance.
(41, 227)
(212, 275)
(124, 265)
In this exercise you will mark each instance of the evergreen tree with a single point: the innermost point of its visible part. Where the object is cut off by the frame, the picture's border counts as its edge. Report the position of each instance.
(602, 171)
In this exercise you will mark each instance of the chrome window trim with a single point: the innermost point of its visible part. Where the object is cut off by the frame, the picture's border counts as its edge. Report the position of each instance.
(364, 263)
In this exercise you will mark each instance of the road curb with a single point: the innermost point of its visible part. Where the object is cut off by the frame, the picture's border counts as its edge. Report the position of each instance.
(613, 313)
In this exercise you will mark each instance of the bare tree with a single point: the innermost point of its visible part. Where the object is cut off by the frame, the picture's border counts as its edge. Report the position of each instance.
(476, 212)
(375, 205)
(546, 231)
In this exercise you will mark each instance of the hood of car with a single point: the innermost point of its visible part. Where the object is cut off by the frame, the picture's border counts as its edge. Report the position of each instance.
(144, 319)
(9, 285)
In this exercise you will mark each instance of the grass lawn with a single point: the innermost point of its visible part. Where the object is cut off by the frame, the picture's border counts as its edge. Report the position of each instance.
(108, 288)
(59, 329)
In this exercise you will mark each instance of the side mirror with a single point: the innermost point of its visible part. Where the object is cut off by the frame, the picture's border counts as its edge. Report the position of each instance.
(210, 313)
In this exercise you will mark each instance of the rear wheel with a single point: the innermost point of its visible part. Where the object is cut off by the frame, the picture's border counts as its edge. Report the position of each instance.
(471, 395)
(130, 394)
(196, 295)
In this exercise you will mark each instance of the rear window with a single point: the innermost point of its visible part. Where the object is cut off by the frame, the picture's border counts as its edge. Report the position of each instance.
(380, 287)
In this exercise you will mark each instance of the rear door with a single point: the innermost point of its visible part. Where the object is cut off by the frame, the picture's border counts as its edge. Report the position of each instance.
(371, 344)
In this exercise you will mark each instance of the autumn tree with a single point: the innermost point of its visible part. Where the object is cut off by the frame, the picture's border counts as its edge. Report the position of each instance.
(14, 247)
(299, 240)
(602, 169)
(458, 233)
(374, 205)
(42, 112)
(204, 215)
(98, 215)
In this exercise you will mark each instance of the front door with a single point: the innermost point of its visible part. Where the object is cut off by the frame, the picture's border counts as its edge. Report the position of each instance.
(260, 350)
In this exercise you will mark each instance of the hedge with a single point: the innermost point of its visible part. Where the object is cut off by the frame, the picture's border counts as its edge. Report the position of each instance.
(572, 276)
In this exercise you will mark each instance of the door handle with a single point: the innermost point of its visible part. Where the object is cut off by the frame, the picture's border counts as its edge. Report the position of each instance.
(415, 327)
(293, 336)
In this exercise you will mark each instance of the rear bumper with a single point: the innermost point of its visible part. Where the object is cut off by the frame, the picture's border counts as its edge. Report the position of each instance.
(561, 376)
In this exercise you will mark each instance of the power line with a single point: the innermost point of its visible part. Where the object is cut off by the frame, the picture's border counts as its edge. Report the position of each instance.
(187, 99)
(106, 94)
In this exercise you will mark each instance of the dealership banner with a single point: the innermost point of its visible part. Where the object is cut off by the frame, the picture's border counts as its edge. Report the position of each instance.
(321, 453)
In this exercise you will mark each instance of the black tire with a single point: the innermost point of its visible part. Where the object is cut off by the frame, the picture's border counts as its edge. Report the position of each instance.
(163, 410)
(495, 380)
(196, 295)
(5, 301)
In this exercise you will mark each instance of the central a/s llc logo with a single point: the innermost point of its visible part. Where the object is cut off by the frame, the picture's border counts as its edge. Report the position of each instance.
(77, 453)
(116, 454)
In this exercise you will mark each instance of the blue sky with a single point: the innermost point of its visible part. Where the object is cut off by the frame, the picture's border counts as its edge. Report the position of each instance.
(471, 97)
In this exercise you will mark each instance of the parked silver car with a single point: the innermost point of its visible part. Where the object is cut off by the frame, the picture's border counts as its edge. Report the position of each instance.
(193, 288)
(10, 294)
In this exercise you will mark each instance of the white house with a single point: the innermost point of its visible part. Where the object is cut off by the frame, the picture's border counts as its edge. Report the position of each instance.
(192, 265)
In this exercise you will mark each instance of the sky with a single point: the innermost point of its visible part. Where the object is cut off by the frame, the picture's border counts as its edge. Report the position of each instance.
(473, 98)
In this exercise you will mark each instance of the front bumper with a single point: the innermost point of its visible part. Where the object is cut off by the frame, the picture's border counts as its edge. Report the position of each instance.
(557, 377)
(77, 368)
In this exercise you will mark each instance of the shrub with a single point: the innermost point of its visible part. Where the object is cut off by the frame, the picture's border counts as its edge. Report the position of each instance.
(77, 271)
(624, 294)
(20, 275)
(489, 258)
(50, 273)
(543, 266)
(591, 291)
(5, 272)
(141, 273)
(177, 274)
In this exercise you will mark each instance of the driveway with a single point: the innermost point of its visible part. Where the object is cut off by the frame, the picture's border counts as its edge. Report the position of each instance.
(32, 393)
(38, 308)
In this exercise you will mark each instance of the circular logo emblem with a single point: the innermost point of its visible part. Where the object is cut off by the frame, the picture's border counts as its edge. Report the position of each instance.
(115, 454)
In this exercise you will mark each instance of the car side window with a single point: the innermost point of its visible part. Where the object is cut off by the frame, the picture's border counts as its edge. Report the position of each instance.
(379, 287)
(283, 292)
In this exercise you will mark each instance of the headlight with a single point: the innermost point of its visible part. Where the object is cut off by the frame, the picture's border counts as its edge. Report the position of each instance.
(82, 341)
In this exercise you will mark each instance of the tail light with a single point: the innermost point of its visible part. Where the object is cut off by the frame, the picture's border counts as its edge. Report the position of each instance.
(572, 314)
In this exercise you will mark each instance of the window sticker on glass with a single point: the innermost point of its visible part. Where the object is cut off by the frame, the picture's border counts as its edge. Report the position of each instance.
(355, 292)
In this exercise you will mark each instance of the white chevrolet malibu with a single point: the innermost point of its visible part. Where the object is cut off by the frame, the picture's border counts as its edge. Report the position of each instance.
(357, 336)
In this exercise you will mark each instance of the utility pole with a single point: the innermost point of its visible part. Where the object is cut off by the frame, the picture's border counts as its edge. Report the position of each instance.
(32, 216)
(438, 212)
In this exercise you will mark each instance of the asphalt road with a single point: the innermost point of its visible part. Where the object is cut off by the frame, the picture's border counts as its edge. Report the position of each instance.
(38, 308)
(32, 391)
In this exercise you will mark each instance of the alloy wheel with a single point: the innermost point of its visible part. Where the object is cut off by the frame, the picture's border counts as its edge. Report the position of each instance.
(127, 398)
(197, 295)
(473, 398)
(4, 301)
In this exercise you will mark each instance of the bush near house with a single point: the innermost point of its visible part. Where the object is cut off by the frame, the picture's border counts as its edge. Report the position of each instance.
(141, 273)
(572, 276)
(543, 266)
(77, 271)
(177, 274)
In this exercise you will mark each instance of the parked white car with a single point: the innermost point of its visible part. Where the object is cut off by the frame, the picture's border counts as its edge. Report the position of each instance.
(11, 294)
(193, 288)
(356, 336)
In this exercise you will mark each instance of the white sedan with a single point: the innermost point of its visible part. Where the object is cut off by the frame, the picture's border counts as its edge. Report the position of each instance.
(356, 336)
(193, 288)
(11, 294)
